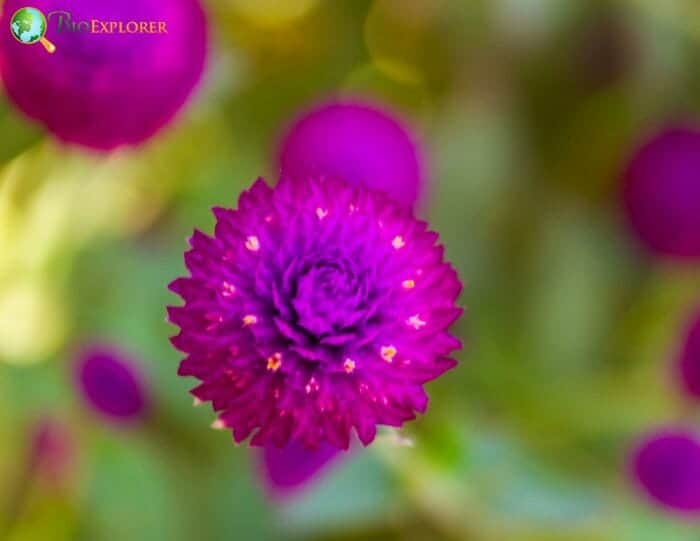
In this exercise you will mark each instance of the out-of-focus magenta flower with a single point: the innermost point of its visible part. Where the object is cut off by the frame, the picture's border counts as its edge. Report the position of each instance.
(662, 192)
(689, 359)
(358, 143)
(52, 451)
(316, 308)
(111, 384)
(666, 466)
(102, 88)
(294, 467)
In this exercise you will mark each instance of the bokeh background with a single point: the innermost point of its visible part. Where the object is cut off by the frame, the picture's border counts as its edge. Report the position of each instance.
(528, 111)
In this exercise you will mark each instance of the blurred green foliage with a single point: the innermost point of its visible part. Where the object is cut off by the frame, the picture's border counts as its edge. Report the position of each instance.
(528, 109)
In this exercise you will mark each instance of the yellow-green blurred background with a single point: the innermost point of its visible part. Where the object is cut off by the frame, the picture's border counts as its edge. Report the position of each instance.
(528, 110)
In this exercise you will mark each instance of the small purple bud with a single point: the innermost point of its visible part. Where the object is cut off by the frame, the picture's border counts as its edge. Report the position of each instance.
(294, 467)
(689, 360)
(52, 452)
(110, 72)
(662, 193)
(49, 462)
(357, 143)
(111, 384)
(666, 467)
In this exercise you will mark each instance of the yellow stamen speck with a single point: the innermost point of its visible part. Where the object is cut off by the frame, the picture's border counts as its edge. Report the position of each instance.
(274, 362)
(388, 353)
(416, 322)
(249, 319)
(349, 366)
(252, 243)
(398, 242)
(321, 213)
(408, 284)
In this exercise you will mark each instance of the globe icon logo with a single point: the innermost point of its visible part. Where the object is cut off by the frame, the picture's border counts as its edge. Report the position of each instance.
(28, 26)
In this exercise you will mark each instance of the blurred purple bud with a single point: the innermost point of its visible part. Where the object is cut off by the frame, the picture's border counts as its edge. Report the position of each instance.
(291, 468)
(666, 467)
(689, 359)
(111, 384)
(662, 193)
(358, 143)
(109, 83)
(52, 451)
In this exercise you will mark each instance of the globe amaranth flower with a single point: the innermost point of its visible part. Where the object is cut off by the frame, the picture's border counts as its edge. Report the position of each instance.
(293, 467)
(360, 143)
(662, 193)
(111, 384)
(688, 362)
(105, 86)
(666, 467)
(317, 307)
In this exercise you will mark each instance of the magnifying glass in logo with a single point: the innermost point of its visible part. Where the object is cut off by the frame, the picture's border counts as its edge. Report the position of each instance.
(28, 26)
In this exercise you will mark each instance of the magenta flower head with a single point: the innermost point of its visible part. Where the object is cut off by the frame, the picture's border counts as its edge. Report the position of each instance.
(356, 142)
(111, 384)
(662, 193)
(120, 71)
(294, 467)
(666, 467)
(316, 308)
(689, 359)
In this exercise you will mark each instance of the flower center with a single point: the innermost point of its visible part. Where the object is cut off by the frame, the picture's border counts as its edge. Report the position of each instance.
(328, 298)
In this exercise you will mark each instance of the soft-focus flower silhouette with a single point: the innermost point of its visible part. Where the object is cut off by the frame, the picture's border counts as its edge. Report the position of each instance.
(316, 307)
(111, 384)
(689, 359)
(104, 90)
(286, 471)
(662, 192)
(666, 466)
(356, 142)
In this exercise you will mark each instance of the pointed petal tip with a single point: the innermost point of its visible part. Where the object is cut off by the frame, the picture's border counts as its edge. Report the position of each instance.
(218, 424)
